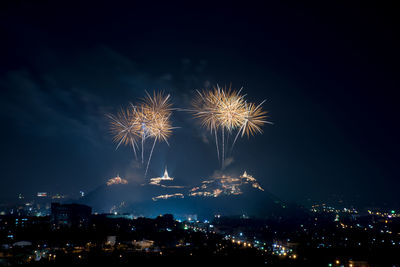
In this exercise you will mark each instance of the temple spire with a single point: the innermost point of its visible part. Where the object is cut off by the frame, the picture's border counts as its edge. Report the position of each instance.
(166, 173)
(165, 177)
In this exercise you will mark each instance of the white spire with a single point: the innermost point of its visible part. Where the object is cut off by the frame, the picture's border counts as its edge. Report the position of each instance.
(165, 177)
(166, 173)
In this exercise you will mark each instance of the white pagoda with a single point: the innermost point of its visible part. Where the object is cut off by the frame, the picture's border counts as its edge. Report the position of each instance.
(158, 180)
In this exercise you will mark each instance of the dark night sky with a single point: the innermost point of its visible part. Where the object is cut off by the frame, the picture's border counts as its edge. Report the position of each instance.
(329, 74)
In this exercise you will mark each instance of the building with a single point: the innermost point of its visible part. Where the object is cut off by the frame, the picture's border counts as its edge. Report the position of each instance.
(158, 180)
(41, 194)
(69, 215)
(116, 180)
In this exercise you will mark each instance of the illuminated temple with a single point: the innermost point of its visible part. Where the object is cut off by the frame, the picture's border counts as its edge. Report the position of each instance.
(226, 185)
(158, 180)
(116, 180)
(217, 186)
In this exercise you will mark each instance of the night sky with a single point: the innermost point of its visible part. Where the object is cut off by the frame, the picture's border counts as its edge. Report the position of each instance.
(329, 73)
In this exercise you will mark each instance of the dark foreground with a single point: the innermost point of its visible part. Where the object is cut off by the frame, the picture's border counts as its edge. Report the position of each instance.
(108, 240)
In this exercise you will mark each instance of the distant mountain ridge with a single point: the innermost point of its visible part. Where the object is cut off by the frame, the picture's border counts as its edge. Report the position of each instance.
(224, 195)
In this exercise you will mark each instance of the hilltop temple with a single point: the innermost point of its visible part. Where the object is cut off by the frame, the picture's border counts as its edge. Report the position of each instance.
(158, 180)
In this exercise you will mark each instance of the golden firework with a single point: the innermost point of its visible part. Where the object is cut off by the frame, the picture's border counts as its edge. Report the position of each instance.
(254, 119)
(156, 111)
(205, 108)
(124, 128)
(157, 104)
(160, 129)
(227, 110)
(230, 109)
(149, 119)
(220, 108)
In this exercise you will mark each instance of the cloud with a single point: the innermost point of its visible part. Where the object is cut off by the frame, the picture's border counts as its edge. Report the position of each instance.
(134, 172)
(227, 162)
(38, 108)
(223, 170)
(204, 138)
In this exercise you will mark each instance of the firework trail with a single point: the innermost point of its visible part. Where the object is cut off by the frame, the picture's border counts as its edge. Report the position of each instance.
(151, 153)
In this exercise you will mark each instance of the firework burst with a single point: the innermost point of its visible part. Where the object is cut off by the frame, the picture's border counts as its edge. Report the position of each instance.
(157, 110)
(124, 128)
(254, 119)
(149, 119)
(227, 111)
